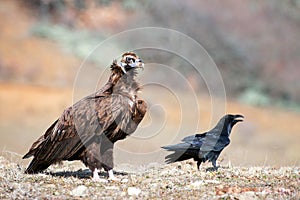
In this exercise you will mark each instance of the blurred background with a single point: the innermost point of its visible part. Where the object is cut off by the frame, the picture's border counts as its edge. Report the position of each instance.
(255, 45)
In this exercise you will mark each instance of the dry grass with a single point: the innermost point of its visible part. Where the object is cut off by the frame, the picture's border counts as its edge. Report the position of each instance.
(175, 181)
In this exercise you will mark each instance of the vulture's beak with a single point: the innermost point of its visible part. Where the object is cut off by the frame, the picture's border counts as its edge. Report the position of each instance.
(139, 63)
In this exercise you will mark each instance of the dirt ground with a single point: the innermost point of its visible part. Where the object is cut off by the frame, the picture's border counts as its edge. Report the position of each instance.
(34, 92)
(175, 181)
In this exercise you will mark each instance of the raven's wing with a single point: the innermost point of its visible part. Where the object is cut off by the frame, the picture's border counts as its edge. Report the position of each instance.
(196, 140)
(215, 141)
(213, 144)
(182, 151)
(189, 149)
(180, 147)
(212, 140)
(204, 143)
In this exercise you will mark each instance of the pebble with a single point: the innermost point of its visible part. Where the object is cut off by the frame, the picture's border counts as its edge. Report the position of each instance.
(247, 195)
(168, 172)
(196, 184)
(102, 180)
(112, 187)
(133, 191)
(212, 181)
(50, 186)
(79, 191)
(125, 180)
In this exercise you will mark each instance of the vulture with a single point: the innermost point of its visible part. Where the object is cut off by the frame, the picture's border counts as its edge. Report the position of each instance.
(88, 130)
(205, 146)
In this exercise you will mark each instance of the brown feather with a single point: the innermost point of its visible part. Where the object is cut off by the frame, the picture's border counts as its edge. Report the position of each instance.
(88, 130)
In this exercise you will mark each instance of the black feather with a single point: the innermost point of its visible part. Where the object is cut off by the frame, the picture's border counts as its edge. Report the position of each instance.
(205, 146)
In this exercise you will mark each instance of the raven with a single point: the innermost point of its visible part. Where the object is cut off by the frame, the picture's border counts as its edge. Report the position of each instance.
(205, 146)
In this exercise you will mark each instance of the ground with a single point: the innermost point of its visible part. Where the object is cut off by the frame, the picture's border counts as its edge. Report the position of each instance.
(174, 181)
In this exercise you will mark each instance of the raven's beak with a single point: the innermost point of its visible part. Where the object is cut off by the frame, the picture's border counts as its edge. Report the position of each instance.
(238, 118)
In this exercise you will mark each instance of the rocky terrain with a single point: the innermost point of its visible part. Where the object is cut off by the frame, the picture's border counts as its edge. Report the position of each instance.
(71, 180)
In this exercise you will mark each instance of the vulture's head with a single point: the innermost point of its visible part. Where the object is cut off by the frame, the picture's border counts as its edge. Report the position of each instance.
(130, 61)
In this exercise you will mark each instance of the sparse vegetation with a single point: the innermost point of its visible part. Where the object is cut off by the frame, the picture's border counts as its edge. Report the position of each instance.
(78, 42)
(178, 181)
(253, 51)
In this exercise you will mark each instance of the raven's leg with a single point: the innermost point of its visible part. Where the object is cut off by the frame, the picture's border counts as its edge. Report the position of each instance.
(198, 164)
(214, 164)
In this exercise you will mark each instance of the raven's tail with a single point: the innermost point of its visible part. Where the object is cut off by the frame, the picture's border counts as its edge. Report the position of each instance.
(177, 156)
(182, 152)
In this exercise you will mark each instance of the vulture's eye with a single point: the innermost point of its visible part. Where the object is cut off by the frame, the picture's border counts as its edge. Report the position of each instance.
(129, 59)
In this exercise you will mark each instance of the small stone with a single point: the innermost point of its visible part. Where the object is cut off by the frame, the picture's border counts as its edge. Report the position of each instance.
(123, 194)
(196, 184)
(248, 195)
(112, 187)
(168, 172)
(133, 191)
(79, 191)
(50, 186)
(125, 180)
(101, 180)
(212, 181)
(42, 175)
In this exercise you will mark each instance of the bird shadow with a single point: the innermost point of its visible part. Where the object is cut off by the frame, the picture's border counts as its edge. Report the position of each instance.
(212, 169)
(82, 174)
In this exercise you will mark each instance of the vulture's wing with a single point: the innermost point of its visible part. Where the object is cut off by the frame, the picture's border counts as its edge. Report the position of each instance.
(63, 139)
(59, 142)
(39, 141)
(77, 126)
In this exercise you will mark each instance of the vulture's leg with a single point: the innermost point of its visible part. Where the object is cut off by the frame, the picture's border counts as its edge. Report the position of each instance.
(107, 163)
(92, 159)
(96, 175)
(111, 176)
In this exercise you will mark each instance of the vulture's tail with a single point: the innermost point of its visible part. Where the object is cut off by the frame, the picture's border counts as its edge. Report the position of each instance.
(182, 151)
(37, 166)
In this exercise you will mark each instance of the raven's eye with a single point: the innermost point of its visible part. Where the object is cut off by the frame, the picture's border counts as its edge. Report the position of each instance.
(129, 59)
